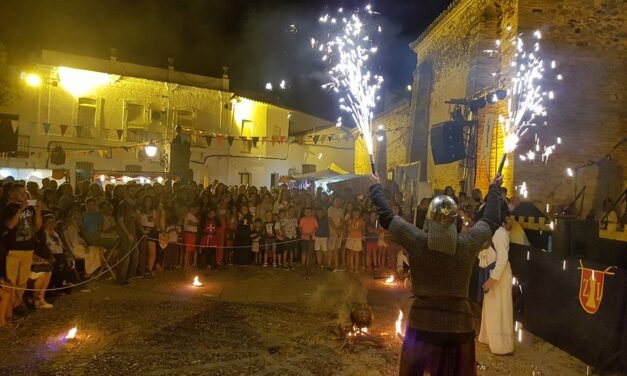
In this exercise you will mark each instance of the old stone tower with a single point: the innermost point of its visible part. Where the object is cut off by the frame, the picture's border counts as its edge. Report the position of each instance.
(586, 38)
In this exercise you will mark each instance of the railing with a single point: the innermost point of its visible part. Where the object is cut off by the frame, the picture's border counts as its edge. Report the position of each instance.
(612, 232)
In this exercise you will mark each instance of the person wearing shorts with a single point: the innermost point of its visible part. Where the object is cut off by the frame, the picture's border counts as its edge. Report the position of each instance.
(322, 236)
(190, 230)
(335, 215)
(354, 246)
(308, 227)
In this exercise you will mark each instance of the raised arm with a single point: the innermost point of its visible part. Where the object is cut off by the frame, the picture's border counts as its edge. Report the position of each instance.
(402, 231)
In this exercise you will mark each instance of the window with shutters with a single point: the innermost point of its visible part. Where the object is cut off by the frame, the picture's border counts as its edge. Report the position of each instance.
(133, 168)
(185, 118)
(84, 171)
(135, 116)
(87, 112)
(247, 147)
(244, 178)
(23, 147)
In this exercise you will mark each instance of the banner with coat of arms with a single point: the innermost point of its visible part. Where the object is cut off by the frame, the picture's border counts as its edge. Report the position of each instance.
(591, 287)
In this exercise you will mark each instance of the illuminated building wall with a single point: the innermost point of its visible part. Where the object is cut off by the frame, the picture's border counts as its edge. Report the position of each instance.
(130, 105)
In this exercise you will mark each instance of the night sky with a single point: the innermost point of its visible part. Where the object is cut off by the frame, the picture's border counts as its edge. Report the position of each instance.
(252, 37)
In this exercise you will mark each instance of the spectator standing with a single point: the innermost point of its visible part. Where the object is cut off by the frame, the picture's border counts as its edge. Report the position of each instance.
(308, 227)
(322, 237)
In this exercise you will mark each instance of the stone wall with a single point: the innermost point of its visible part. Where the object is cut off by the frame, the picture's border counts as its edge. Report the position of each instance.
(587, 40)
(396, 140)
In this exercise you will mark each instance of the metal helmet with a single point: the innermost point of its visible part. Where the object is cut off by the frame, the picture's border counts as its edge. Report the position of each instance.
(442, 210)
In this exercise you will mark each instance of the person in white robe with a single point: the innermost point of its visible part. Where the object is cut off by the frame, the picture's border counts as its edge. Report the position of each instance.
(497, 316)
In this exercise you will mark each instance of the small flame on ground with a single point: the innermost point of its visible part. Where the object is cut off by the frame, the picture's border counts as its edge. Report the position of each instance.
(196, 282)
(520, 335)
(389, 279)
(71, 334)
(399, 322)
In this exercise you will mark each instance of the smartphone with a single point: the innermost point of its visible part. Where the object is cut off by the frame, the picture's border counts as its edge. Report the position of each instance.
(31, 202)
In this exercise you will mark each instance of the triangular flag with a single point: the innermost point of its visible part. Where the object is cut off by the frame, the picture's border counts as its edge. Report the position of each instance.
(263, 140)
(219, 140)
(230, 140)
(316, 138)
(120, 133)
(16, 125)
(79, 130)
(63, 129)
(273, 140)
(255, 141)
(282, 139)
(243, 138)
(209, 139)
(46, 128)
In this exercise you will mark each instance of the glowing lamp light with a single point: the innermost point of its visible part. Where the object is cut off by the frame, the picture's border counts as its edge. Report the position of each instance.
(390, 279)
(142, 180)
(125, 179)
(160, 180)
(570, 172)
(113, 180)
(71, 334)
(33, 80)
(102, 178)
(151, 149)
(408, 87)
(380, 138)
(79, 82)
(196, 282)
(320, 156)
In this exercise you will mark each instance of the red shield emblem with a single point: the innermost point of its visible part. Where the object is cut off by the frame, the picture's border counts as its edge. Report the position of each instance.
(591, 288)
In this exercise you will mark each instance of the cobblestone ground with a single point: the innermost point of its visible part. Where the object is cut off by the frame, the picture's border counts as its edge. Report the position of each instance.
(244, 321)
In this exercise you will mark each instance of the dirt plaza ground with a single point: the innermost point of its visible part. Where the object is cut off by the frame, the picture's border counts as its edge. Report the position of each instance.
(242, 321)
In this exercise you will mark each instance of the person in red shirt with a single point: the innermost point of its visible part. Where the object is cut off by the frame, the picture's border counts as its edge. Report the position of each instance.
(308, 226)
(209, 239)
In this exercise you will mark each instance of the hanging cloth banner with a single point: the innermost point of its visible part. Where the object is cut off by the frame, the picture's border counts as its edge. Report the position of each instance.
(46, 128)
(219, 140)
(316, 138)
(120, 133)
(230, 140)
(209, 139)
(255, 141)
(63, 129)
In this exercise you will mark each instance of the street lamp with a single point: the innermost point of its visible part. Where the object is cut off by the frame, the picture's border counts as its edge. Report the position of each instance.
(33, 80)
(151, 149)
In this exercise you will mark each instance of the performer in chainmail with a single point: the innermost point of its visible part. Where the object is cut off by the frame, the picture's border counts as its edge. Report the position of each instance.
(439, 339)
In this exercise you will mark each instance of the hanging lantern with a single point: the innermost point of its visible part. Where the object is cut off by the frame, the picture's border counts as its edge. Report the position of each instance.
(151, 149)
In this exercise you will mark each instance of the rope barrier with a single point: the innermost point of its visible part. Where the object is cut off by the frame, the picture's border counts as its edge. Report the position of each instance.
(105, 271)
(224, 246)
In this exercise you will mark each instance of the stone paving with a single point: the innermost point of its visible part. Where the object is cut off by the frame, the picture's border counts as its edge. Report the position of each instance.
(243, 321)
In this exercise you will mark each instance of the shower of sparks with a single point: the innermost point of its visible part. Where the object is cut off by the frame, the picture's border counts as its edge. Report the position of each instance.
(347, 48)
(282, 84)
(269, 86)
(522, 189)
(526, 97)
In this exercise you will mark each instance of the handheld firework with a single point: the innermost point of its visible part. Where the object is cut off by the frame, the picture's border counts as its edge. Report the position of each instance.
(346, 49)
(526, 99)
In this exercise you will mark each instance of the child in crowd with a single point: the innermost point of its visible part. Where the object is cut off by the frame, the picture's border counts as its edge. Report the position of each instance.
(255, 237)
(322, 236)
(382, 245)
(173, 255)
(372, 237)
(289, 226)
(280, 246)
(354, 240)
(270, 227)
(190, 229)
(209, 240)
(308, 227)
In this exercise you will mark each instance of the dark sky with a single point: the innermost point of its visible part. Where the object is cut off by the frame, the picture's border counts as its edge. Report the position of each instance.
(252, 37)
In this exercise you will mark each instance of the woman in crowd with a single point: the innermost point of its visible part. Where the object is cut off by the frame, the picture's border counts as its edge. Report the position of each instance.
(63, 272)
(78, 246)
(150, 229)
(242, 243)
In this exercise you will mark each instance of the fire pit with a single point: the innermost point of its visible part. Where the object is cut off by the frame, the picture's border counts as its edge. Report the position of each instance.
(361, 317)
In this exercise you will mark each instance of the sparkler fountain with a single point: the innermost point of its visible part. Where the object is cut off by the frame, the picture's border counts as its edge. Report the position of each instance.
(346, 49)
(526, 98)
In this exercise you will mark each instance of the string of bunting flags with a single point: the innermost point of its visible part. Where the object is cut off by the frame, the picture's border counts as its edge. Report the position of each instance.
(210, 138)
